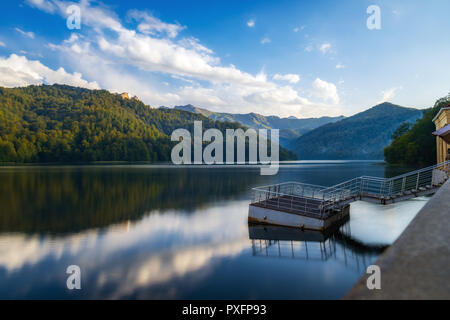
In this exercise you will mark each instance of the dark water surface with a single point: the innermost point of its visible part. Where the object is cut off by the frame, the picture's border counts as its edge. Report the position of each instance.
(150, 232)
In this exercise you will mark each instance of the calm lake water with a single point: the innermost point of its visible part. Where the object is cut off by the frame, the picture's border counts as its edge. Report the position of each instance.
(161, 232)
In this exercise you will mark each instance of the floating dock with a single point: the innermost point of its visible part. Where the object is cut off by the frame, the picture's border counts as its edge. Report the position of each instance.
(306, 206)
(295, 204)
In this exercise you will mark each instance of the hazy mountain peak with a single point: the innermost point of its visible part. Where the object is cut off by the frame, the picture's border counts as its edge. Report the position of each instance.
(290, 128)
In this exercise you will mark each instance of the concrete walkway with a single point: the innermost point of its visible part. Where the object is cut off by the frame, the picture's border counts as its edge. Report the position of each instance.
(417, 265)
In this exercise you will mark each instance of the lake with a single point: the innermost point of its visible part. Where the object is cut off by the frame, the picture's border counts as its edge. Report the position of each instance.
(164, 232)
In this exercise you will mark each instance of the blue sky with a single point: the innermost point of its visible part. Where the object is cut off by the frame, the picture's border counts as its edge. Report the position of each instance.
(287, 58)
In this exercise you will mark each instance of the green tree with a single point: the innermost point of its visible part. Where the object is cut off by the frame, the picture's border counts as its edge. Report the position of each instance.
(418, 145)
(401, 130)
(7, 151)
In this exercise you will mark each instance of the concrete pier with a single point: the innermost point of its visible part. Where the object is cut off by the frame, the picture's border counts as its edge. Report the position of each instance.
(417, 265)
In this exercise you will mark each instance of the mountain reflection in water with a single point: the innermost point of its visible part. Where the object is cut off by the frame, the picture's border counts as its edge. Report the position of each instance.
(149, 232)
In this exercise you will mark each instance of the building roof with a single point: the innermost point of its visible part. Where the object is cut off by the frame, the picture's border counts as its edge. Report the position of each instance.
(440, 111)
(443, 131)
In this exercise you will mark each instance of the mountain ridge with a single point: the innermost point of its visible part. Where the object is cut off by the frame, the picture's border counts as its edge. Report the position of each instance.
(362, 136)
(290, 127)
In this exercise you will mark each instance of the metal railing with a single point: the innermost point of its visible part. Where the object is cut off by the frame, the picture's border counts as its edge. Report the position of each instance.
(383, 188)
(317, 200)
(293, 197)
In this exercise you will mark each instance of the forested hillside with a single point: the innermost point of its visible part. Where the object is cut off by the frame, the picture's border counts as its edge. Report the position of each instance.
(60, 123)
(362, 136)
(417, 146)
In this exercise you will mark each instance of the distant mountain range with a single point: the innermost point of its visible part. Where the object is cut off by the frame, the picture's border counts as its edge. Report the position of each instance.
(362, 136)
(290, 128)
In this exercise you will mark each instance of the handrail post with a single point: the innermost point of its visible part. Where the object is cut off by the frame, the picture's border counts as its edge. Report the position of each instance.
(403, 184)
(381, 188)
(417, 182)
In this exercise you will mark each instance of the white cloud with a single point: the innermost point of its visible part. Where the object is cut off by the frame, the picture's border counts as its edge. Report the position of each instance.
(325, 47)
(152, 54)
(154, 26)
(340, 66)
(174, 76)
(73, 38)
(286, 95)
(292, 78)
(194, 44)
(325, 91)
(44, 5)
(18, 71)
(25, 33)
(251, 23)
(297, 29)
(389, 94)
(265, 40)
(2, 44)
(202, 96)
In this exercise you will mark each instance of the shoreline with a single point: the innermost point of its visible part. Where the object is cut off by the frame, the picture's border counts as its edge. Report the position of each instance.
(415, 266)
